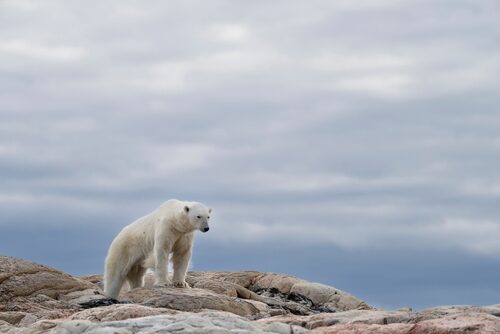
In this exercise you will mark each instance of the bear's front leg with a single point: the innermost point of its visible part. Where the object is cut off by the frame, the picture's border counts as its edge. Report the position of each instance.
(180, 262)
(180, 258)
(161, 270)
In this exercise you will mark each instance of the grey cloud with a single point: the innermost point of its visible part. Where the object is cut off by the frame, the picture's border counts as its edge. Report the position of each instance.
(358, 126)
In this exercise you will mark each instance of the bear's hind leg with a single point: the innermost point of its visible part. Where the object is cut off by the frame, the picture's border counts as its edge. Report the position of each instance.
(134, 276)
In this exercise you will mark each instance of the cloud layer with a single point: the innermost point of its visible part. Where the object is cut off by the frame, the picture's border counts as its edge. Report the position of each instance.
(361, 126)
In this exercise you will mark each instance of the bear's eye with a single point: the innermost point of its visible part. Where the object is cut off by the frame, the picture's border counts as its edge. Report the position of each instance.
(198, 217)
(208, 217)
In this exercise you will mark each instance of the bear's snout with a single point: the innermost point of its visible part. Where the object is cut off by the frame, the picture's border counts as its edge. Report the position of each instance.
(205, 229)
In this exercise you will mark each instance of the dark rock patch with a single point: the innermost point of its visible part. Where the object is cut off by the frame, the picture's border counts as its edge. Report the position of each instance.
(292, 302)
(100, 302)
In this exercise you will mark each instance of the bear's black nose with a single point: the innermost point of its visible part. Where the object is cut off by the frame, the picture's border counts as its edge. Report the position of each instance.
(205, 229)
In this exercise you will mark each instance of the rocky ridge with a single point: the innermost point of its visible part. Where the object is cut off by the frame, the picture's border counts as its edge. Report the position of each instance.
(39, 299)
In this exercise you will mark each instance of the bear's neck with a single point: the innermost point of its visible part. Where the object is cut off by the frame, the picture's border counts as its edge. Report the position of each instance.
(181, 225)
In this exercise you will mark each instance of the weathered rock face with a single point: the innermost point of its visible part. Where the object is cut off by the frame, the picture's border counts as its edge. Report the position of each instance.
(184, 322)
(190, 300)
(318, 294)
(248, 293)
(366, 329)
(29, 291)
(120, 312)
(441, 320)
(443, 311)
(467, 322)
(367, 317)
(37, 299)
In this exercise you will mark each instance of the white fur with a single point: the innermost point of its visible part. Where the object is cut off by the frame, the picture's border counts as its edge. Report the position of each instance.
(148, 242)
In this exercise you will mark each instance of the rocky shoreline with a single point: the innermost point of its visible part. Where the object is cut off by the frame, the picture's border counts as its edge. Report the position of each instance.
(39, 299)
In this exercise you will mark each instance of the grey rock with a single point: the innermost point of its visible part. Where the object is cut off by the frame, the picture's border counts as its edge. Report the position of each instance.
(184, 322)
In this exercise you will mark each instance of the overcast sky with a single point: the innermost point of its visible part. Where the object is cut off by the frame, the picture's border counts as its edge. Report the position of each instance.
(354, 143)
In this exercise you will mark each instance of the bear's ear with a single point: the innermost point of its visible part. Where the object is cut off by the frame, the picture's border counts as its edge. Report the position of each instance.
(186, 209)
(210, 210)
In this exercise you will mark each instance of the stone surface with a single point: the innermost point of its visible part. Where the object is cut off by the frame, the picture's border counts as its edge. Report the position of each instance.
(20, 278)
(293, 294)
(459, 323)
(319, 294)
(192, 300)
(5, 326)
(441, 320)
(30, 291)
(119, 312)
(366, 329)
(441, 311)
(183, 322)
(37, 299)
(367, 317)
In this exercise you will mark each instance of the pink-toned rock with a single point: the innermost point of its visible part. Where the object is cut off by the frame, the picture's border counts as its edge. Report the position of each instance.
(41, 326)
(314, 297)
(29, 291)
(319, 294)
(366, 329)
(465, 323)
(21, 278)
(36, 299)
(12, 317)
(443, 320)
(192, 300)
(281, 282)
(367, 317)
(245, 279)
(442, 311)
(119, 312)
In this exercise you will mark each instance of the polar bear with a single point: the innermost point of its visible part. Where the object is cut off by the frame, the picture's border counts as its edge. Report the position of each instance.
(148, 242)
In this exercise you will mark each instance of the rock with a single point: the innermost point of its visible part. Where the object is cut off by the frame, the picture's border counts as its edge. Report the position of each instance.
(12, 317)
(464, 323)
(323, 297)
(281, 293)
(20, 278)
(320, 294)
(242, 278)
(119, 312)
(367, 317)
(183, 322)
(41, 326)
(94, 279)
(443, 320)
(6, 327)
(291, 302)
(29, 291)
(37, 299)
(327, 296)
(193, 300)
(366, 329)
(441, 311)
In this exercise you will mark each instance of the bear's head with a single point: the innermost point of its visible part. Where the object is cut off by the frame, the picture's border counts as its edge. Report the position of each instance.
(198, 216)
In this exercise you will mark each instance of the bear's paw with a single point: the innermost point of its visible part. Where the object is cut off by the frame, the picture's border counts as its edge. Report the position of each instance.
(181, 285)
